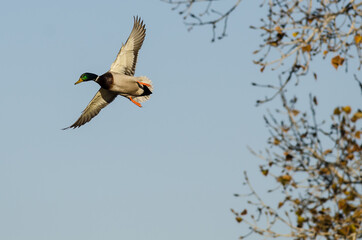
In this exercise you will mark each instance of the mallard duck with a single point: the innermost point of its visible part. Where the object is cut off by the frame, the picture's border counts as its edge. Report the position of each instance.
(119, 80)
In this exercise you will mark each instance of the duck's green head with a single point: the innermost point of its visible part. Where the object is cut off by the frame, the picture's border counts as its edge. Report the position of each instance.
(86, 77)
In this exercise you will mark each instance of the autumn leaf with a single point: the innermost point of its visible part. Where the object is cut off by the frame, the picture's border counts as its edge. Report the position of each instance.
(300, 221)
(337, 61)
(326, 152)
(347, 109)
(324, 171)
(307, 48)
(273, 43)
(239, 219)
(358, 134)
(358, 39)
(262, 69)
(295, 112)
(265, 172)
(288, 157)
(315, 100)
(278, 29)
(325, 52)
(288, 167)
(276, 141)
(244, 212)
(356, 116)
(285, 179)
(341, 204)
(337, 111)
(295, 34)
(280, 204)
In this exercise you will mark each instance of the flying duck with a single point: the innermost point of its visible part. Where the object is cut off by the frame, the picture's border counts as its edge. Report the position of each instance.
(119, 80)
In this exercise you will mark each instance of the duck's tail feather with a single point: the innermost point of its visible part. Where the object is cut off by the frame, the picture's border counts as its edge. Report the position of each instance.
(148, 89)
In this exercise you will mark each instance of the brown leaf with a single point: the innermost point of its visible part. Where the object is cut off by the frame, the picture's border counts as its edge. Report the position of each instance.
(358, 134)
(276, 141)
(265, 172)
(239, 219)
(315, 76)
(274, 43)
(315, 100)
(324, 171)
(280, 204)
(337, 111)
(262, 69)
(341, 204)
(288, 157)
(296, 201)
(244, 212)
(326, 152)
(307, 48)
(295, 112)
(325, 52)
(337, 61)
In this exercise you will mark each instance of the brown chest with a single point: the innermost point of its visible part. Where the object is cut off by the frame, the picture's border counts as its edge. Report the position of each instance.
(105, 80)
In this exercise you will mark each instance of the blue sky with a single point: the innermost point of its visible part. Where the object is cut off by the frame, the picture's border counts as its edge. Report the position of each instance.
(166, 171)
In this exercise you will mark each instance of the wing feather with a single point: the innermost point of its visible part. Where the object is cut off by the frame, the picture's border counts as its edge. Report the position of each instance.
(126, 60)
(102, 98)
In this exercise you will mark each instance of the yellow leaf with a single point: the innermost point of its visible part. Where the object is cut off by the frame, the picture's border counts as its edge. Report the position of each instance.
(347, 109)
(276, 141)
(278, 29)
(285, 179)
(356, 116)
(300, 220)
(239, 219)
(325, 52)
(280, 204)
(337, 61)
(265, 172)
(307, 48)
(358, 39)
(295, 34)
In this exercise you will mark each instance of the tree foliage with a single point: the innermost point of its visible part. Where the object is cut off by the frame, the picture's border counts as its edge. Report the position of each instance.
(317, 173)
(315, 165)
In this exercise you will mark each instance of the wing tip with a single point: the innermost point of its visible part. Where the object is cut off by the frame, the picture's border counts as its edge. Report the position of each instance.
(138, 21)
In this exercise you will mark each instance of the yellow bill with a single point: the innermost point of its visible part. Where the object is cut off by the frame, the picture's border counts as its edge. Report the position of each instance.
(79, 81)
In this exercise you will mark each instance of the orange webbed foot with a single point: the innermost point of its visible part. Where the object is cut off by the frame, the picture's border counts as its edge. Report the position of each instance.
(137, 103)
(146, 84)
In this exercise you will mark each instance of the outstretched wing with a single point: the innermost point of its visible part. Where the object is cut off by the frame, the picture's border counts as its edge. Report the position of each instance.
(126, 60)
(102, 98)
